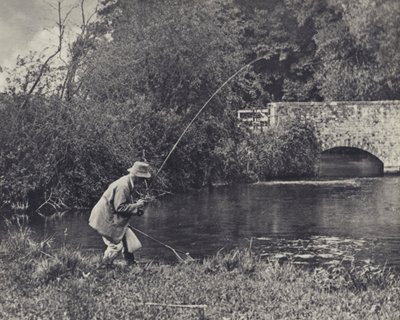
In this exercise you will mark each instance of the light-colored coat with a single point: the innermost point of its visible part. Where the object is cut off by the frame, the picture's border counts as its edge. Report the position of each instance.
(110, 216)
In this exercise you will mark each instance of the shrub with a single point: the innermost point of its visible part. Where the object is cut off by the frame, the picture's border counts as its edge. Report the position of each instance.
(55, 150)
(289, 150)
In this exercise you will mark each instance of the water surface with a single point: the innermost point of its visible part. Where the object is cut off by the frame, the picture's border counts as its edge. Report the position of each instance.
(321, 221)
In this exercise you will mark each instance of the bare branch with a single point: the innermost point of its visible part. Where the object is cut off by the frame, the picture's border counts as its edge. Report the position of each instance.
(84, 37)
(83, 12)
(61, 28)
(51, 5)
(68, 13)
(93, 14)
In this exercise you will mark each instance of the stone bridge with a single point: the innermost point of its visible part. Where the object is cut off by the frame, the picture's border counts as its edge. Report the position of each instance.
(372, 126)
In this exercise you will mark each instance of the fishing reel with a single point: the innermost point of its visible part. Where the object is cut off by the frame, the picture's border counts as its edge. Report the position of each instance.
(146, 199)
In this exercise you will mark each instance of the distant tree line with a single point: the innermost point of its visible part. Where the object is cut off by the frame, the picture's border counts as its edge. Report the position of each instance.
(137, 75)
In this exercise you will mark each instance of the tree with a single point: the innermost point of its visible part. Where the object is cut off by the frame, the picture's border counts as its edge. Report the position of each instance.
(164, 60)
(375, 27)
(270, 30)
(357, 54)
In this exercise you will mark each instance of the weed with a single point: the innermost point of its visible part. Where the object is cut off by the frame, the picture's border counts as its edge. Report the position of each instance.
(64, 262)
(243, 260)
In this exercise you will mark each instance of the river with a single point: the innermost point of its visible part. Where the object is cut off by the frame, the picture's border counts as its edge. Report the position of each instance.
(304, 221)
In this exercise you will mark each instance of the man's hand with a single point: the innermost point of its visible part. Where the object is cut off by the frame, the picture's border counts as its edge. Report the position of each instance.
(140, 203)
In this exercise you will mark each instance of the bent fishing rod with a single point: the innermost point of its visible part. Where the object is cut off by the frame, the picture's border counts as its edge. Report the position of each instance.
(148, 186)
(197, 115)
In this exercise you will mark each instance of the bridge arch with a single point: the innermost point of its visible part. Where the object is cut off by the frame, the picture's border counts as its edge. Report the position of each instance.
(347, 161)
(363, 145)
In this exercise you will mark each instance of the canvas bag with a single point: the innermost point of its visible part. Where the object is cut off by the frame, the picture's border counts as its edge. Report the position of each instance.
(132, 241)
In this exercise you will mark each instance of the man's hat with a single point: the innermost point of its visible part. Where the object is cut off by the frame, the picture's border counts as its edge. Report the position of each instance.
(140, 169)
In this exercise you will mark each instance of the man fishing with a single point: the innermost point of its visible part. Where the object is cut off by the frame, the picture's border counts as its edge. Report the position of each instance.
(110, 216)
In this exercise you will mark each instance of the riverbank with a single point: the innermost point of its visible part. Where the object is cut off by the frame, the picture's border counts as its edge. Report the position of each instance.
(39, 282)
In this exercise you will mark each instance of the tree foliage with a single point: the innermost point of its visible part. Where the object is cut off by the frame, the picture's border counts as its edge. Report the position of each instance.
(271, 31)
(164, 61)
(357, 54)
(136, 76)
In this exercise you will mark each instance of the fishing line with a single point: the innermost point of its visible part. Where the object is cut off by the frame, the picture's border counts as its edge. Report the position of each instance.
(175, 251)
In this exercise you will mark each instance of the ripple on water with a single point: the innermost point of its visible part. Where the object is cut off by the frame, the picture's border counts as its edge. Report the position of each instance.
(339, 182)
(316, 250)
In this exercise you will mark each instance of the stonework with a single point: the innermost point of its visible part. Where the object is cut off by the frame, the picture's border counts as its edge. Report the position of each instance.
(371, 126)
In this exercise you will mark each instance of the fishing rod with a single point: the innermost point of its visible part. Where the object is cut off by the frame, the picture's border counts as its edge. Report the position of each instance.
(197, 115)
(148, 186)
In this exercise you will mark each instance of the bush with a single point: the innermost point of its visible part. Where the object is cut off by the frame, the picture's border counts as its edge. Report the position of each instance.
(53, 150)
(68, 152)
(289, 150)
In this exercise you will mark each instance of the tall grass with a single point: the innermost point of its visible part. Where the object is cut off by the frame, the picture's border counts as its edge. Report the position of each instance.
(64, 283)
(35, 260)
(244, 261)
(20, 241)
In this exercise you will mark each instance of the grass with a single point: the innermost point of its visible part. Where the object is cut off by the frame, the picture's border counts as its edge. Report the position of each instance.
(40, 282)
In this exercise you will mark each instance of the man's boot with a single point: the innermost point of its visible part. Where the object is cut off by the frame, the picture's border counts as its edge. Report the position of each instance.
(129, 257)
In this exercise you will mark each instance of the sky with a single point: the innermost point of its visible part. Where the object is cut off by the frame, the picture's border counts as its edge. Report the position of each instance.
(30, 25)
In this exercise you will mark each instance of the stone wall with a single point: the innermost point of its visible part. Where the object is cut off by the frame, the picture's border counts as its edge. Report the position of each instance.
(372, 126)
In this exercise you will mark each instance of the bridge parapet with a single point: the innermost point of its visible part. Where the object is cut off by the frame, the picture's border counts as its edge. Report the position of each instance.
(373, 126)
